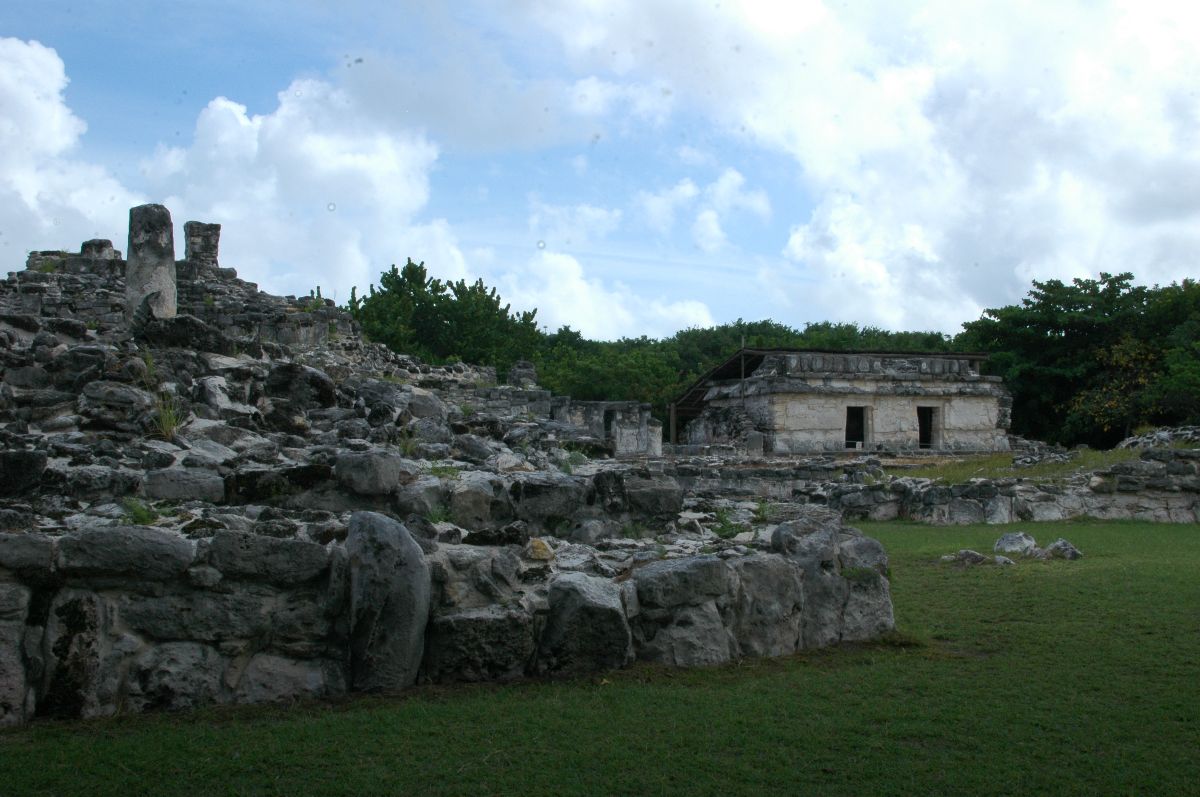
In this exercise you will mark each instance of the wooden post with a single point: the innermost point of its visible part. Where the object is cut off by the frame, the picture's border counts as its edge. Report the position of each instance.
(671, 420)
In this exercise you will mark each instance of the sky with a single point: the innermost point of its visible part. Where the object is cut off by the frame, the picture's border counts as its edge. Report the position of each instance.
(627, 167)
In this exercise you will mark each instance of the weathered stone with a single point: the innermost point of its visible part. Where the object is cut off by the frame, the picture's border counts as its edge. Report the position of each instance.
(150, 271)
(201, 242)
(1017, 542)
(374, 472)
(659, 497)
(269, 678)
(26, 554)
(683, 636)
(478, 501)
(175, 675)
(681, 582)
(183, 484)
(252, 556)
(133, 551)
(15, 694)
(586, 629)
(425, 404)
(113, 405)
(20, 471)
(302, 386)
(1061, 549)
(768, 605)
(389, 602)
(487, 644)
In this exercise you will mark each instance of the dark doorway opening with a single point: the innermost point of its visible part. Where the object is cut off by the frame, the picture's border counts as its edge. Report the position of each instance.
(856, 427)
(925, 420)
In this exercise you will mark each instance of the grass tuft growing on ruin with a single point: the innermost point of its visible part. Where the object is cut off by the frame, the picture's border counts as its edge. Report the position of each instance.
(1041, 678)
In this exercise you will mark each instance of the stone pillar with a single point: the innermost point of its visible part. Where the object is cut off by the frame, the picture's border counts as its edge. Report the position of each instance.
(151, 267)
(200, 243)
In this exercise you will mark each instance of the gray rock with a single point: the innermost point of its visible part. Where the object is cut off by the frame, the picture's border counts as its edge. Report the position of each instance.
(767, 610)
(183, 484)
(471, 448)
(303, 387)
(681, 582)
(660, 496)
(478, 501)
(966, 557)
(1061, 549)
(421, 497)
(586, 629)
(269, 679)
(683, 636)
(131, 551)
(175, 675)
(114, 405)
(27, 554)
(550, 500)
(20, 471)
(485, 644)
(278, 561)
(1017, 542)
(389, 602)
(15, 693)
(425, 404)
(374, 472)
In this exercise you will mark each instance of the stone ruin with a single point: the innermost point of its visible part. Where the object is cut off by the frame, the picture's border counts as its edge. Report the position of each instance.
(213, 495)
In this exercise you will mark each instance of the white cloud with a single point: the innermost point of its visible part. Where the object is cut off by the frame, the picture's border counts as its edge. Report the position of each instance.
(692, 156)
(707, 232)
(727, 193)
(954, 151)
(571, 225)
(658, 210)
(313, 193)
(48, 198)
(555, 283)
(592, 96)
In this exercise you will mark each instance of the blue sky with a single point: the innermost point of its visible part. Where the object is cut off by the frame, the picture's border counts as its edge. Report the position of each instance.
(626, 167)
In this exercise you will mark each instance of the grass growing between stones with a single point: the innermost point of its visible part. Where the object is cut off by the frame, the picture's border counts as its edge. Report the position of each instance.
(958, 469)
(1042, 678)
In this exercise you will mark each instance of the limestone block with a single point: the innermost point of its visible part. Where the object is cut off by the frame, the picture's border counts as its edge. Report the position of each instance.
(389, 602)
(133, 551)
(183, 484)
(485, 644)
(174, 675)
(586, 629)
(14, 685)
(150, 270)
(768, 605)
(279, 561)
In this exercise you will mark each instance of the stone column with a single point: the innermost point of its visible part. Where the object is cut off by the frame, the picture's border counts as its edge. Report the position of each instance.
(200, 242)
(151, 268)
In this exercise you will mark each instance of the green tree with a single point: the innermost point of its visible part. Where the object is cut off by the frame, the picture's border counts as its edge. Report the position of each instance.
(440, 321)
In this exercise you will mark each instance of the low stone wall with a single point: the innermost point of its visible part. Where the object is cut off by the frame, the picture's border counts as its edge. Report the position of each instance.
(129, 618)
(1163, 486)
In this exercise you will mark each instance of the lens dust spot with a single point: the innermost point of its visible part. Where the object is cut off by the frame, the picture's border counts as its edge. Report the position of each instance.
(331, 207)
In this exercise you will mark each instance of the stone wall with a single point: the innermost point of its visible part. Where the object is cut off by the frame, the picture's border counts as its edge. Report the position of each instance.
(112, 619)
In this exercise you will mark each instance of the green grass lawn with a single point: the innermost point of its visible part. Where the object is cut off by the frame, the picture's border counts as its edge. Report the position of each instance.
(1045, 678)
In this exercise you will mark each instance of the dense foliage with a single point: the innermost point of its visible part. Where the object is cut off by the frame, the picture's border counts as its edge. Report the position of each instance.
(443, 321)
(1090, 361)
(1086, 362)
